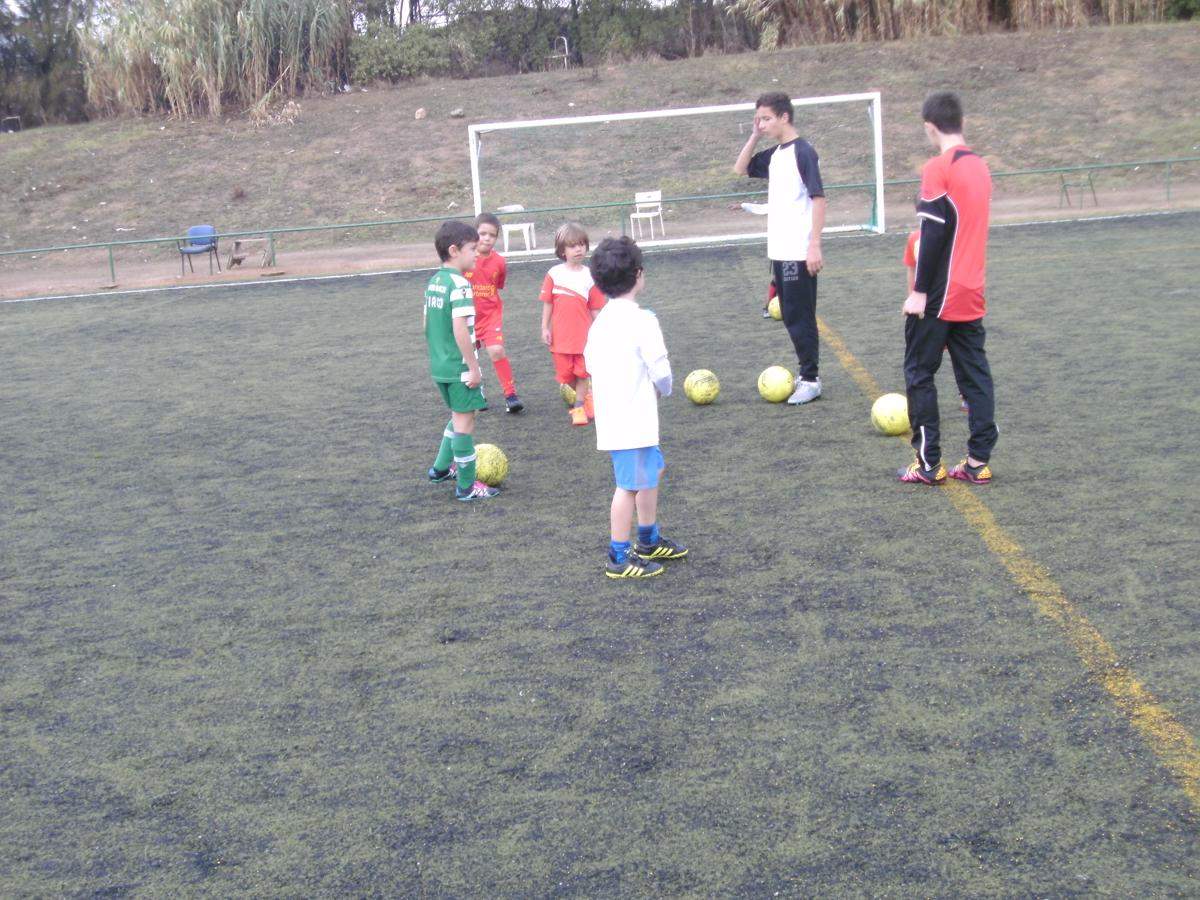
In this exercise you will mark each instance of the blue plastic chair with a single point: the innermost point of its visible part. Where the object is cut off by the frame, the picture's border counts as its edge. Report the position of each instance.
(200, 239)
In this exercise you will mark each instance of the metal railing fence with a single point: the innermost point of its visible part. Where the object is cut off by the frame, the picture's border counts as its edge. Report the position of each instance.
(622, 207)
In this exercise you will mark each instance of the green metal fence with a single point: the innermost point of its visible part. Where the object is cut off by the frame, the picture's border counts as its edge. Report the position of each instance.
(620, 207)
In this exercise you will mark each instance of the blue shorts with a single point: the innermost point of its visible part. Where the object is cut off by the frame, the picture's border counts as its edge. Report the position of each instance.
(637, 470)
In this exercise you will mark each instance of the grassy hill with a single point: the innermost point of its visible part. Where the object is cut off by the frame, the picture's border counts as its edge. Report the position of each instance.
(1034, 99)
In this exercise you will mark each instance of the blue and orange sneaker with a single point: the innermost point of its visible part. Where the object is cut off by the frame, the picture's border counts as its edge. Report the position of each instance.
(918, 474)
(964, 471)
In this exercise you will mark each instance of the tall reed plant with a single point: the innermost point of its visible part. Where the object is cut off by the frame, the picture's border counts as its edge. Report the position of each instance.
(208, 57)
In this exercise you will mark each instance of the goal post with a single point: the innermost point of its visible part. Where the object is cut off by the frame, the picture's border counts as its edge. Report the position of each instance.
(590, 167)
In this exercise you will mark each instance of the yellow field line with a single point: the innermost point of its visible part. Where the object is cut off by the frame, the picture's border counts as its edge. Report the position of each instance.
(1174, 746)
(865, 381)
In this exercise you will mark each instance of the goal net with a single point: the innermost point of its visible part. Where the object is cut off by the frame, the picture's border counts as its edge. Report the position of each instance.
(591, 169)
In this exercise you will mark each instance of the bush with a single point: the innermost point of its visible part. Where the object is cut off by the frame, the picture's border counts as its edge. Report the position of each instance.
(497, 36)
(627, 29)
(515, 38)
(383, 55)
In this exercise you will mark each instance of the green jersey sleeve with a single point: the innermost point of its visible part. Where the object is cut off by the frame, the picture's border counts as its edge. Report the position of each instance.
(462, 301)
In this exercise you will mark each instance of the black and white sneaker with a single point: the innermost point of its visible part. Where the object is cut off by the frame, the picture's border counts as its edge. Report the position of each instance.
(513, 404)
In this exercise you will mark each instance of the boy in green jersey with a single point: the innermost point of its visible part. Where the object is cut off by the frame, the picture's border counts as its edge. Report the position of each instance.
(450, 335)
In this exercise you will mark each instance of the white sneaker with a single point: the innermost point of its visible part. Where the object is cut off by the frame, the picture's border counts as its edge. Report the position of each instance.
(806, 392)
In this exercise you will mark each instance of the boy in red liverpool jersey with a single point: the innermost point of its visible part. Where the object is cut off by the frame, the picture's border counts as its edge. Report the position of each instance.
(946, 306)
(487, 280)
(772, 293)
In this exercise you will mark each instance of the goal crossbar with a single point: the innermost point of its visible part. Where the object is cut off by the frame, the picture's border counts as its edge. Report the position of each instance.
(874, 98)
(485, 127)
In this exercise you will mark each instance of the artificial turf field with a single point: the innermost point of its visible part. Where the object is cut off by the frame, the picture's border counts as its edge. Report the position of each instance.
(246, 648)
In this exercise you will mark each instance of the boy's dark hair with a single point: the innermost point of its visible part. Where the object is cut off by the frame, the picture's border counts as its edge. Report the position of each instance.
(453, 234)
(779, 103)
(943, 110)
(615, 265)
(487, 219)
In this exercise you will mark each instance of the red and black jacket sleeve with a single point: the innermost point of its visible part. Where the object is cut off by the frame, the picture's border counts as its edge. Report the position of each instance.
(939, 221)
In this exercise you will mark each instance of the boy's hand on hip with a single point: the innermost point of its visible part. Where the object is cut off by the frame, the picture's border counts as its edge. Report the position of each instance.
(914, 305)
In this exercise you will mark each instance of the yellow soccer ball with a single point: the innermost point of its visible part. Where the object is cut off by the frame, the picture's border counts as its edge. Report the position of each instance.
(776, 384)
(491, 465)
(889, 414)
(568, 394)
(774, 310)
(701, 387)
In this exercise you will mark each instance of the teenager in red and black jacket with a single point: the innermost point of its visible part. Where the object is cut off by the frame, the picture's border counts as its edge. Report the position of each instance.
(946, 307)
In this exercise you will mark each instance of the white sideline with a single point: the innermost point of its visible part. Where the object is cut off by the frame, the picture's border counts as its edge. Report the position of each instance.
(656, 249)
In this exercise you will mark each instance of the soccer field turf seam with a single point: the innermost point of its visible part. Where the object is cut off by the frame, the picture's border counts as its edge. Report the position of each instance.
(1170, 741)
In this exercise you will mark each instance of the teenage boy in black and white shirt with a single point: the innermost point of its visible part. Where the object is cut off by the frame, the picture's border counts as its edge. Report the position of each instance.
(795, 218)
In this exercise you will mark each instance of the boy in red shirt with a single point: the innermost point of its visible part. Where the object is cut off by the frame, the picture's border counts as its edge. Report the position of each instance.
(571, 301)
(946, 306)
(487, 280)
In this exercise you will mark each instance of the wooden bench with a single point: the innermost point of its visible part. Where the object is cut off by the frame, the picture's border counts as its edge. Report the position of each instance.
(1081, 186)
(244, 248)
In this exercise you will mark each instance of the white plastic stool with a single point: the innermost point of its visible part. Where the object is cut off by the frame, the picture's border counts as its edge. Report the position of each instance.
(525, 229)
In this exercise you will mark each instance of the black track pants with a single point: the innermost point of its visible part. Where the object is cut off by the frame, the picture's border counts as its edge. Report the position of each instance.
(798, 303)
(924, 340)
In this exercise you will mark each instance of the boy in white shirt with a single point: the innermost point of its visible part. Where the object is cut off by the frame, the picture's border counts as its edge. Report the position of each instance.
(628, 364)
(795, 218)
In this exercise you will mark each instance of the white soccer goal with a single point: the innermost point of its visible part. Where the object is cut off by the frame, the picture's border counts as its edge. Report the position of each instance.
(590, 168)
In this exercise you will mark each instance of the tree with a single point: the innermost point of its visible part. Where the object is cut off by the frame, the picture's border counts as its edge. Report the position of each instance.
(40, 59)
